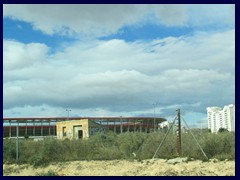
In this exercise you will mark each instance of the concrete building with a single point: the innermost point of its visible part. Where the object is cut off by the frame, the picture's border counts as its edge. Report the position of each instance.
(165, 125)
(221, 118)
(77, 129)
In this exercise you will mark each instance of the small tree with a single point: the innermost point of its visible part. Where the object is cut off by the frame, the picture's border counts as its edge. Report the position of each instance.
(222, 130)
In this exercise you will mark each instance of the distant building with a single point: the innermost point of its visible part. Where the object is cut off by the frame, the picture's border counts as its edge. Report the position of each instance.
(221, 118)
(165, 125)
(77, 129)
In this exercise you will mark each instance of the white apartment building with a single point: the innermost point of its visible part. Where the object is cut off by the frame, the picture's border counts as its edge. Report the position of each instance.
(221, 118)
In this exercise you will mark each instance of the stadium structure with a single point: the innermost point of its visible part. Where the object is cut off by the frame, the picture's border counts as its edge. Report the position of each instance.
(40, 127)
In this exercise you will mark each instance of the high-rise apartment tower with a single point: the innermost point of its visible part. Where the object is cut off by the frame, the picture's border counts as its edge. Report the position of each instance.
(221, 118)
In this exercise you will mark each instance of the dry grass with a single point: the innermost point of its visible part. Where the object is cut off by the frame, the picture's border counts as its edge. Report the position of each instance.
(158, 167)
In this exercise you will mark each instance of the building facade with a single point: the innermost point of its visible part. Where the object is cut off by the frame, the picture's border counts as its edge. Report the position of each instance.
(77, 129)
(221, 118)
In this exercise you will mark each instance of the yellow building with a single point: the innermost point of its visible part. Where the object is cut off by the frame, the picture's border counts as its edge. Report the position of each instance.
(77, 129)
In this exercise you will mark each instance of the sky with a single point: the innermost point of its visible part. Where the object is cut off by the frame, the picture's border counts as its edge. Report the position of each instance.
(118, 60)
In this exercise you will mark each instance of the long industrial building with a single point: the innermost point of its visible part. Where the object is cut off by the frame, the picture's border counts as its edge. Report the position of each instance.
(42, 127)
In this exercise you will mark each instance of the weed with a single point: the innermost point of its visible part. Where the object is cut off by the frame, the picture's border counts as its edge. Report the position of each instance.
(49, 173)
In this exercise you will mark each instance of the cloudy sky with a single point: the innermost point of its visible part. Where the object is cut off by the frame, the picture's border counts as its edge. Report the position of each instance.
(118, 60)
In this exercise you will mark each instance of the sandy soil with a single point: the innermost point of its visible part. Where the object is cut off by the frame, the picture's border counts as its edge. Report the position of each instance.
(157, 167)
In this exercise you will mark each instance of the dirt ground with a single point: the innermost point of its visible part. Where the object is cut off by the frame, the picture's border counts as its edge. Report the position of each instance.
(157, 167)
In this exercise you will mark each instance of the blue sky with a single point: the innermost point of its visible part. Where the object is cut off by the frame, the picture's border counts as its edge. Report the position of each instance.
(23, 32)
(117, 60)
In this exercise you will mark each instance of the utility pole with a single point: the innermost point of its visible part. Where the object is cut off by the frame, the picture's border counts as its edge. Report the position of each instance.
(154, 121)
(121, 125)
(68, 113)
(17, 141)
(179, 139)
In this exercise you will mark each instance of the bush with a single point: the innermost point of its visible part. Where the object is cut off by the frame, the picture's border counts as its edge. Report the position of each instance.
(9, 150)
(222, 130)
(130, 143)
(127, 145)
(37, 160)
(49, 173)
(219, 144)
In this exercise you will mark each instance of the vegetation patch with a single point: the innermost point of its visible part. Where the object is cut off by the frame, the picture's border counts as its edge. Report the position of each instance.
(48, 173)
(129, 145)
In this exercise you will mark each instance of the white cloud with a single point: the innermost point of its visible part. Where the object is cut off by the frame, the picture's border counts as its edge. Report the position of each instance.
(171, 14)
(80, 20)
(19, 55)
(118, 76)
(77, 18)
(215, 14)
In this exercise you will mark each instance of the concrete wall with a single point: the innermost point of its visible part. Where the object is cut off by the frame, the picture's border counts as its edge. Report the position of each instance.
(71, 132)
(70, 129)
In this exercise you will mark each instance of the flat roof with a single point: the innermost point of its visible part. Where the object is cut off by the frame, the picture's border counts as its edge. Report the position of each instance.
(89, 118)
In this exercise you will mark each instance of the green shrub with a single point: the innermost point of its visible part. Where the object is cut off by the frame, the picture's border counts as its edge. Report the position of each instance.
(221, 143)
(127, 145)
(9, 150)
(37, 160)
(131, 143)
(49, 173)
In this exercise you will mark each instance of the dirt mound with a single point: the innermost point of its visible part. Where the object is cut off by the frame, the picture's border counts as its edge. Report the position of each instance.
(157, 167)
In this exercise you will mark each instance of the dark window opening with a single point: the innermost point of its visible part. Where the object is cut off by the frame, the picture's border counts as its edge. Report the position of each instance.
(80, 134)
